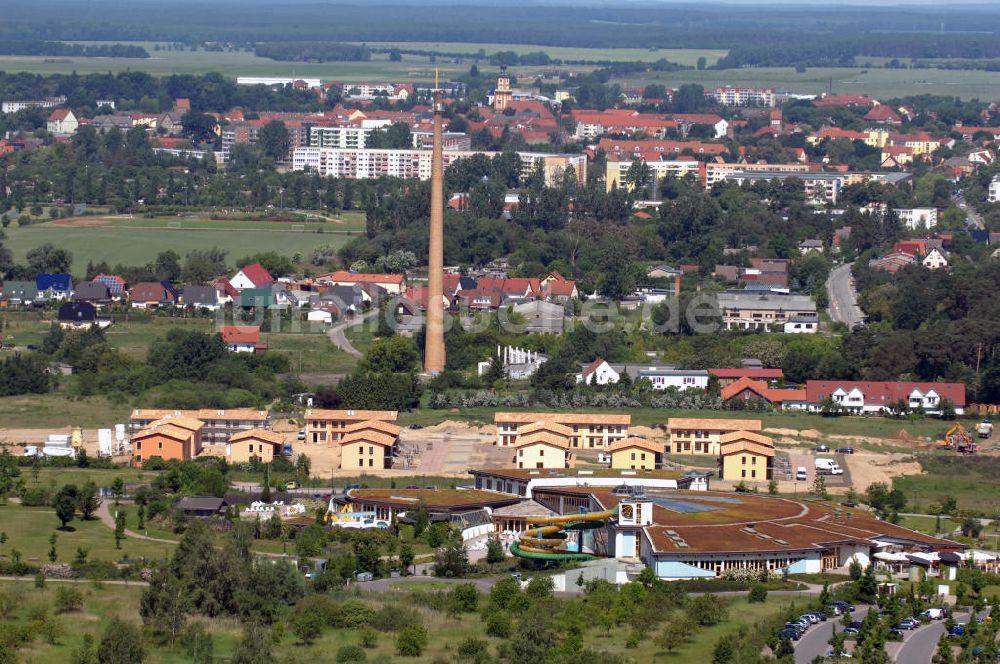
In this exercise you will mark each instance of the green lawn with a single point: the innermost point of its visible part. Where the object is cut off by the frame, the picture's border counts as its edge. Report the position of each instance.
(134, 337)
(344, 222)
(29, 528)
(131, 245)
(40, 411)
(310, 352)
(102, 477)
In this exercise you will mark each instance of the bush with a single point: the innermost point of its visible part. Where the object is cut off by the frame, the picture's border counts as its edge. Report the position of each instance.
(393, 618)
(411, 641)
(368, 638)
(464, 598)
(472, 649)
(708, 610)
(68, 599)
(758, 594)
(350, 653)
(352, 613)
(36, 497)
(498, 625)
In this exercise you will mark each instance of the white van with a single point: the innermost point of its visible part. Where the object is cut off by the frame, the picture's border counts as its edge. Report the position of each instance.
(828, 467)
(801, 475)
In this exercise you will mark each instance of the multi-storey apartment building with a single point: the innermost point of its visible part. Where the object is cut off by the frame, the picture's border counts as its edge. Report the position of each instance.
(328, 426)
(729, 95)
(695, 435)
(365, 163)
(765, 311)
(586, 430)
(220, 425)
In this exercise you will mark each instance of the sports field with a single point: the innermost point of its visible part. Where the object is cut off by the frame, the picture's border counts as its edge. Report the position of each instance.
(120, 240)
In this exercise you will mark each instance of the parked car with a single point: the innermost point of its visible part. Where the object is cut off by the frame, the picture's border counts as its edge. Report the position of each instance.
(835, 610)
(895, 634)
(811, 617)
(301, 434)
(789, 634)
(844, 606)
(935, 613)
(845, 450)
(854, 624)
(843, 654)
(908, 623)
(800, 474)
(849, 630)
(822, 448)
(957, 630)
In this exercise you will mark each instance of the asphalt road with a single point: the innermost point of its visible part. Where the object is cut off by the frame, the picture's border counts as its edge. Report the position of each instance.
(919, 645)
(340, 340)
(843, 300)
(814, 644)
(972, 218)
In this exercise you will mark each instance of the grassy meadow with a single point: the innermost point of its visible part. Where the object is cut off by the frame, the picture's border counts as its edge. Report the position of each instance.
(136, 242)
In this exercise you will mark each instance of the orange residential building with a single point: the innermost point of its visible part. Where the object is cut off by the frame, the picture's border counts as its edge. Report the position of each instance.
(261, 444)
(220, 424)
(695, 435)
(177, 438)
(587, 430)
(325, 425)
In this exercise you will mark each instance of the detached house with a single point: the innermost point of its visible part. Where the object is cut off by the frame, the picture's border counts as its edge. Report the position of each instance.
(935, 260)
(241, 338)
(62, 121)
(80, 316)
(19, 293)
(201, 297)
(54, 286)
(152, 294)
(251, 276)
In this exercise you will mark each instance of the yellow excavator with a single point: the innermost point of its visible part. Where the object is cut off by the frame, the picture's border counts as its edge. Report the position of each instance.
(958, 439)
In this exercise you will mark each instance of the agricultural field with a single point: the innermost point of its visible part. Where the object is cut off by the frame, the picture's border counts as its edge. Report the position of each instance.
(58, 411)
(974, 482)
(880, 83)
(875, 81)
(137, 241)
(684, 56)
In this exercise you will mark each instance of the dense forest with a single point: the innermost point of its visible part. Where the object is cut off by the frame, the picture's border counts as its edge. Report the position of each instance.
(313, 51)
(915, 32)
(40, 47)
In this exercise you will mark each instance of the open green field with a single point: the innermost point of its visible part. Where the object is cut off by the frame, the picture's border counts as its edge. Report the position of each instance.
(684, 56)
(29, 528)
(347, 222)
(139, 244)
(310, 352)
(57, 411)
(877, 82)
(881, 83)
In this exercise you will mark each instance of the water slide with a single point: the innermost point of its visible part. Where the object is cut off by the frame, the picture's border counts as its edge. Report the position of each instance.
(546, 540)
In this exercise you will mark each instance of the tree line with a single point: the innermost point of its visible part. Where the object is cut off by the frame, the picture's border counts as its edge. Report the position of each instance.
(62, 49)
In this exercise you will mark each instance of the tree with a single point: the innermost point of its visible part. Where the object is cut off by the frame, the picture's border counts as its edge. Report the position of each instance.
(117, 488)
(452, 559)
(675, 634)
(310, 541)
(943, 654)
(308, 620)
(119, 528)
(396, 354)
(406, 556)
(65, 504)
(255, 647)
(197, 643)
(275, 140)
(89, 500)
(411, 641)
(758, 594)
(199, 126)
(707, 610)
(494, 550)
(53, 554)
(121, 643)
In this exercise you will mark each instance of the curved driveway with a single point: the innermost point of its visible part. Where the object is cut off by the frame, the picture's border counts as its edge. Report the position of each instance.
(814, 643)
(340, 339)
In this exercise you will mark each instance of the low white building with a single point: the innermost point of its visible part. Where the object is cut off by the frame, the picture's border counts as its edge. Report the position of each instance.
(801, 324)
(935, 260)
(915, 218)
(600, 372)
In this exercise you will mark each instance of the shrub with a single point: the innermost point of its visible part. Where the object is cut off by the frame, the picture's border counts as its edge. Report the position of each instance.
(393, 618)
(472, 649)
(352, 613)
(368, 638)
(35, 497)
(498, 625)
(464, 598)
(411, 641)
(68, 599)
(758, 594)
(350, 653)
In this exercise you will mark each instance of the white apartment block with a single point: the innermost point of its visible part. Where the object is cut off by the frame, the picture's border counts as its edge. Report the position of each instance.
(617, 171)
(343, 137)
(363, 164)
(277, 80)
(729, 95)
(15, 106)
(994, 195)
(918, 217)
(820, 188)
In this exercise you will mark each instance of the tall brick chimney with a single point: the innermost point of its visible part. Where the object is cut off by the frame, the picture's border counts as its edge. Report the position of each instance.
(434, 333)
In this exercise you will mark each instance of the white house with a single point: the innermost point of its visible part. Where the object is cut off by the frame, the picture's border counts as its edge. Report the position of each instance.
(801, 324)
(319, 316)
(62, 121)
(598, 372)
(935, 260)
(251, 276)
(865, 397)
